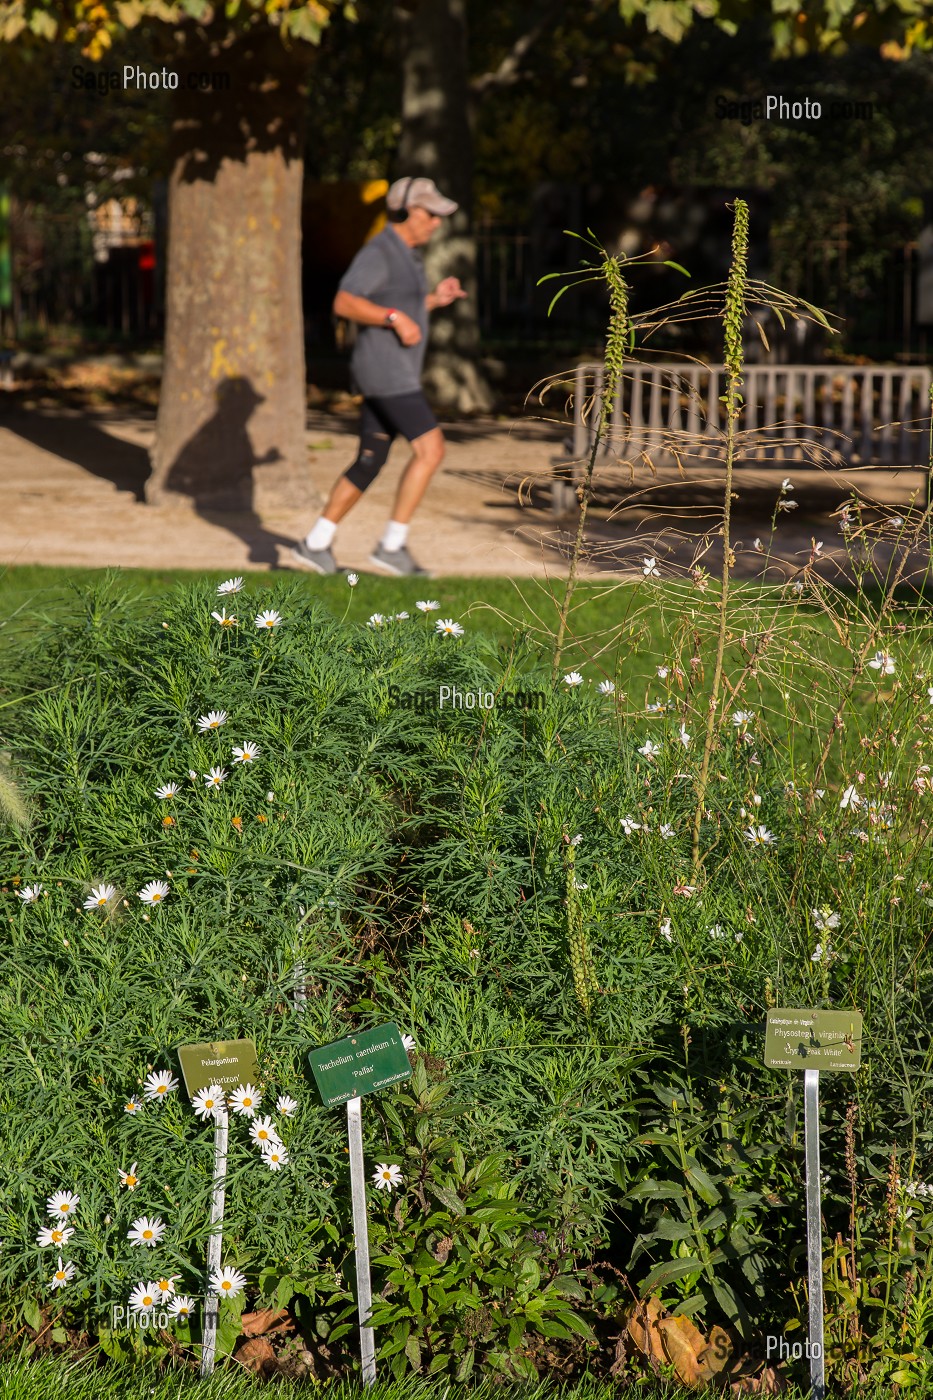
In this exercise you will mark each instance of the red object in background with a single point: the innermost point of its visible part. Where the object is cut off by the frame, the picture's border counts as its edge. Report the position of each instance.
(146, 261)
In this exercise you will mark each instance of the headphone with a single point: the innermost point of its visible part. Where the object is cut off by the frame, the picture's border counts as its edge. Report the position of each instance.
(398, 216)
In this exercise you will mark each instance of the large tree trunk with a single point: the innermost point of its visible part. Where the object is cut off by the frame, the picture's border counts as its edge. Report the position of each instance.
(437, 140)
(231, 424)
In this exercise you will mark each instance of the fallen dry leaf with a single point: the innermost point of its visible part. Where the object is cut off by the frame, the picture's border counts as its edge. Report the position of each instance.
(256, 1324)
(256, 1355)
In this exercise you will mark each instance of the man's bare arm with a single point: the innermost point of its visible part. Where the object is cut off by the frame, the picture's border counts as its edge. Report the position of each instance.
(359, 309)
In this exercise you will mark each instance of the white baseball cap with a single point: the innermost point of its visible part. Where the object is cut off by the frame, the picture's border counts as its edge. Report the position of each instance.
(421, 191)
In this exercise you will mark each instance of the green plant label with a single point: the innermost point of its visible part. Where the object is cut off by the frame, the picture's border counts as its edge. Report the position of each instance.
(800, 1039)
(360, 1064)
(224, 1062)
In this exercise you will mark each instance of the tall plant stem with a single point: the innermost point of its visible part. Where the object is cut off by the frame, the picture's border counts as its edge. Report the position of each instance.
(734, 318)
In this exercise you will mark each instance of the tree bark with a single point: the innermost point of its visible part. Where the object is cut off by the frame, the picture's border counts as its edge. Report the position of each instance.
(437, 141)
(230, 432)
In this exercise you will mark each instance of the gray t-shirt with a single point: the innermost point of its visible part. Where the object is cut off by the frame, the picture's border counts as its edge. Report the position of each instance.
(387, 271)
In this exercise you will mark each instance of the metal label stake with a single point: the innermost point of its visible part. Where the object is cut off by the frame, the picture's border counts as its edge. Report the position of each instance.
(811, 1132)
(361, 1240)
(215, 1242)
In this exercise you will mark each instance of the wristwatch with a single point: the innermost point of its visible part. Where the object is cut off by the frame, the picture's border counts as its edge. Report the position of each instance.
(391, 317)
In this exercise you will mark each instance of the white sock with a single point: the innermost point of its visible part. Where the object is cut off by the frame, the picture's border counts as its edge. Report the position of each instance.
(321, 535)
(394, 536)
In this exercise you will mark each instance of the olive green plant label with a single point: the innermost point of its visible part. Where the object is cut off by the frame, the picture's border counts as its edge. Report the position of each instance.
(816, 1039)
(224, 1062)
(360, 1064)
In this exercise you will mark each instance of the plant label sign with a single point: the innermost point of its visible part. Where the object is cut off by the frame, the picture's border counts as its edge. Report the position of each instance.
(801, 1039)
(224, 1062)
(360, 1064)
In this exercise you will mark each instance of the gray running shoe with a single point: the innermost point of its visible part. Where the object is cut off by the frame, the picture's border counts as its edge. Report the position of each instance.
(320, 560)
(397, 561)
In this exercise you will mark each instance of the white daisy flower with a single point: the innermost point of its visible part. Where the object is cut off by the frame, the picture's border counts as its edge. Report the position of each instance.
(448, 628)
(649, 750)
(55, 1235)
(268, 619)
(428, 605)
(663, 672)
(825, 918)
(386, 1177)
(607, 687)
(181, 1307)
(650, 568)
(129, 1179)
(223, 619)
(227, 1283)
(655, 707)
(666, 831)
(232, 585)
(132, 1106)
(760, 836)
(207, 1102)
(167, 790)
(409, 1043)
(882, 661)
(577, 840)
(274, 1156)
(30, 893)
(352, 580)
(146, 1231)
(573, 678)
(665, 930)
(851, 798)
(285, 1104)
(245, 753)
(740, 718)
(215, 777)
(245, 1100)
(100, 896)
(264, 1132)
(154, 892)
(212, 720)
(144, 1297)
(62, 1204)
(629, 824)
(401, 617)
(166, 1286)
(376, 620)
(62, 1275)
(159, 1085)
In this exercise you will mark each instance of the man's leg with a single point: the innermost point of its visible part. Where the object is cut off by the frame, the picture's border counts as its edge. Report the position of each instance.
(375, 441)
(427, 455)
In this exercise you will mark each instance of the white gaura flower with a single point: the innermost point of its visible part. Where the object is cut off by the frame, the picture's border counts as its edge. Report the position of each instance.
(181, 1307)
(648, 750)
(212, 720)
(159, 1085)
(573, 678)
(264, 1132)
(817, 954)
(352, 580)
(245, 753)
(129, 1179)
(132, 1106)
(664, 672)
(446, 627)
(786, 485)
(716, 931)
(100, 896)
(409, 1043)
(758, 547)
(167, 790)
(232, 585)
(387, 1178)
(222, 618)
(215, 777)
(268, 619)
(629, 824)
(577, 840)
(427, 605)
(146, 1231)
(665, 930)
(930, 693)
(208, 1102)
(760, 836)
(62, 1204)
(882, 661)
(245, 1100)
(62, 1275)
(154, 892)
(850, 798)
(649, 568)
(274, 1156)
(55, 1235)
(227, 1283)
(607, 687)
(286, 1105)
(579, 884)
(30, 893)
(666, 831)
(684, 736)
(824, 918)
(787, 505)
(144, 1297)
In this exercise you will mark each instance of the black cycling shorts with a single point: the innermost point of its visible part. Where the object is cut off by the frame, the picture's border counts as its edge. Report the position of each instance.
(383, 420)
